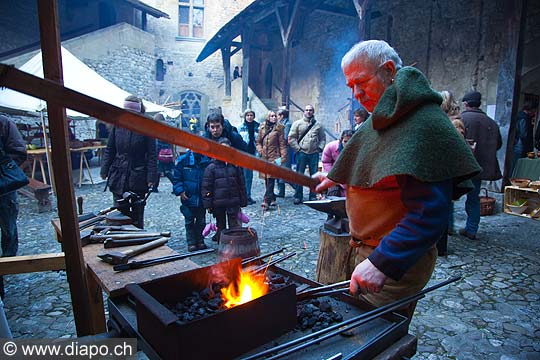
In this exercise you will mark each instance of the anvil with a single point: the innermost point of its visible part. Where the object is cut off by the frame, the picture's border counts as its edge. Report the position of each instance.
(335, 207)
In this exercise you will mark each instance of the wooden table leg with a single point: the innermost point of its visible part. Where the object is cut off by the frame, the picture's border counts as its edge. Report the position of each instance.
(81, 170)
(87, 168)
(97, 306)
(34, 168)
(43, 174)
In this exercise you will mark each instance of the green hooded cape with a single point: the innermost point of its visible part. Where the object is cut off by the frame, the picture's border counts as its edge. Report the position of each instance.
(407, 134)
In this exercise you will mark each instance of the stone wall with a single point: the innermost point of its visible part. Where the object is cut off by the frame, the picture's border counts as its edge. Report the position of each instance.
(122, 54)
(457, 44)
(183, 73)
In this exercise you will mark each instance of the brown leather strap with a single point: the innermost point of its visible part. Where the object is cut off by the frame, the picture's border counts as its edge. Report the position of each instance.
(372, 242)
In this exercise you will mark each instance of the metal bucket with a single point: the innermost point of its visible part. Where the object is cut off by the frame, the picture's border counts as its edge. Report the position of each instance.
(238, 242)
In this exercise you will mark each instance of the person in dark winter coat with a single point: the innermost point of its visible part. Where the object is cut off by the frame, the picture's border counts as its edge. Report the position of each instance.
(14, 147)
(130, 163)
(485, 132)
(249, 131)
(217, 127)
(187, 182)
(165, 157)
(223, 192)
(283, 119)
(523, 135)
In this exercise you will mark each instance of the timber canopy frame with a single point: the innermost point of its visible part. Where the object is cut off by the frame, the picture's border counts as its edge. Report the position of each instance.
(266, 16)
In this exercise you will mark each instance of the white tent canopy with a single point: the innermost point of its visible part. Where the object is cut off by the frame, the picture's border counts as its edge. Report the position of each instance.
(78, 77)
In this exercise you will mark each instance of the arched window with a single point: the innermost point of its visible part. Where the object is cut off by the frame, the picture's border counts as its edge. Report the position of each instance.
(192, 104)
(160, 70)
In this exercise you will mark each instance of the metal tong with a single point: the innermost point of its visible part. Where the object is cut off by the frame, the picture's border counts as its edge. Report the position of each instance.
(324, 290)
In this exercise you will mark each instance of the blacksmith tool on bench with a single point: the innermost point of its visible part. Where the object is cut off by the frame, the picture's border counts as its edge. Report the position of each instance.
(144, 263)
(107, 228)
(111, 243)
(118, 257)
(126, 236)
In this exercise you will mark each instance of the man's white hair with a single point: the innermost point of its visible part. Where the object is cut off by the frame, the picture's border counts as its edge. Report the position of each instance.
(377, 51)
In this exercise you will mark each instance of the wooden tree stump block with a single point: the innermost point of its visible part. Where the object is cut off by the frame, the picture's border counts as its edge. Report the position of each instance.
(39, 191)
(334, 263)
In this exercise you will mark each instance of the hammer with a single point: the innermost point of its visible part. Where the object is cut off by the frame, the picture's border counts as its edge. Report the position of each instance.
(107, 228)
(131, 235)
(118, 257)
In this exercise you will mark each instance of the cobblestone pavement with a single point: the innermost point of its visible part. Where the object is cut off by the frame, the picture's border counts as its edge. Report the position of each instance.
(492, 313)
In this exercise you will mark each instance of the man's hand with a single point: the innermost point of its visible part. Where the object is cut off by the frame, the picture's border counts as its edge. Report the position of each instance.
(324, 182)
(366, 278)
(183, 196)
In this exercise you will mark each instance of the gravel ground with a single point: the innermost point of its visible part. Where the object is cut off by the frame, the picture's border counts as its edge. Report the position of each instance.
(490, 314)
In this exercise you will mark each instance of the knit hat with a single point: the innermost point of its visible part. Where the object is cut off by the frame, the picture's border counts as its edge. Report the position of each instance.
(472, 97)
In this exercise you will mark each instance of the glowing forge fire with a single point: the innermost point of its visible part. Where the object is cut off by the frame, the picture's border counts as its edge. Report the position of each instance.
(248, 287)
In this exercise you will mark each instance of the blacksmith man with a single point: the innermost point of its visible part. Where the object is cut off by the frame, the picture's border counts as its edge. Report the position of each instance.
(399, 175)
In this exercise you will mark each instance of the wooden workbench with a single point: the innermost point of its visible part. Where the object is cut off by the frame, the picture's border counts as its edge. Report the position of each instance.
(39, 156)
(100, 276)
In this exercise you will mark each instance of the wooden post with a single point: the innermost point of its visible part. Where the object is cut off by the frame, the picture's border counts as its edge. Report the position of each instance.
(286, 83)
(226, 59)
(509, 80)
(245, 68)
(61, 162)
(336, 261)
(287, 25)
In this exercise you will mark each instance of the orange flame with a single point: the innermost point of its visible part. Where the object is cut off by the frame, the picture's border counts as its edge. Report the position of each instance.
(247, 288)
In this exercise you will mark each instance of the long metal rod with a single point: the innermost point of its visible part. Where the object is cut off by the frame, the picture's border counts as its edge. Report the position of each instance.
(273, 262)
(367, 316)
(150, 262)
(374, 339)
(256, 258)
(52, 92)
(332, 334)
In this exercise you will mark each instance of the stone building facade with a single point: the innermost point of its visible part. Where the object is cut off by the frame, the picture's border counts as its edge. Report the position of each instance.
(195, 87)
(460, 45)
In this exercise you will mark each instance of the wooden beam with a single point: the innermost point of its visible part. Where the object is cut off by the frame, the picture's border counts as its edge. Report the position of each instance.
(236, 50)
(335, 10)
(226, 60)
(246, 40)
(286, 82)
(45, 89)
(32, 263)
(263, 14)
(61, 161)
(289, 19)
(510, 69)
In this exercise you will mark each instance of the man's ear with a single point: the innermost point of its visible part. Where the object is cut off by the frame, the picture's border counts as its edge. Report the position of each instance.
(390, 68)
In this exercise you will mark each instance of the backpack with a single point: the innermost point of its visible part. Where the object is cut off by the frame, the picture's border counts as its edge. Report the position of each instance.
(165, 156)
